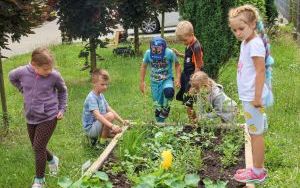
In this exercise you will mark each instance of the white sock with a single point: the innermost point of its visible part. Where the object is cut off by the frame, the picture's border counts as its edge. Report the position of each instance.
(257, 171)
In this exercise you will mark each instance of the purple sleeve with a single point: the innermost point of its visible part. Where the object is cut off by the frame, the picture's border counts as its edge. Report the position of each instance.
(14, 78)
(61, 93)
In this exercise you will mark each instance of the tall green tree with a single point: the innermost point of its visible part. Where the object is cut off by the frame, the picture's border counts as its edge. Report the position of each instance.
(132, 13)
(17, 18)
(86, 20)
(163, 6)
(210, 21)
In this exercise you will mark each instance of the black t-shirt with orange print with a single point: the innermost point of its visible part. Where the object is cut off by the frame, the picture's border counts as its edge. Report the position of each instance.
(193, 57)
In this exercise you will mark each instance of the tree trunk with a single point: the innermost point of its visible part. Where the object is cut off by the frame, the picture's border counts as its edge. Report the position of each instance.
(298, 22)
(162, 28)
(93, 54)
(136, 40)
(3, 98)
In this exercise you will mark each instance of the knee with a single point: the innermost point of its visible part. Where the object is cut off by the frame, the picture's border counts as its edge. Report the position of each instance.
(169, 92)
(37, 148)
(109, 116)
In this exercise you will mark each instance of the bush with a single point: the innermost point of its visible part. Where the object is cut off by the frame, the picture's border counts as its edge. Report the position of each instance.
(210, 21)
(260, 4)
(271, 12)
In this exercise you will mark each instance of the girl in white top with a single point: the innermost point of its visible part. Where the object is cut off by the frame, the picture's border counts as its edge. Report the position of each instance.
(253, 88)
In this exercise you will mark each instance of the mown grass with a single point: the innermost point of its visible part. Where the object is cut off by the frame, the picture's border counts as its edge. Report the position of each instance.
(68, 141)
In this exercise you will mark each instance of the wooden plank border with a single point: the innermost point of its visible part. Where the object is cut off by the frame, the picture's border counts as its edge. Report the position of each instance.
(99, 162)
(248, 154)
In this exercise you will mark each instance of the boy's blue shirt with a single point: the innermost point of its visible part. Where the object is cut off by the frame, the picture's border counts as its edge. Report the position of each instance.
(91, 103)
(161, 70)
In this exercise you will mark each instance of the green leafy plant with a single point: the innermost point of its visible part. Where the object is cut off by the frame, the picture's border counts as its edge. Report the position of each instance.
(210, 184)
(230, 147)
(97, 180)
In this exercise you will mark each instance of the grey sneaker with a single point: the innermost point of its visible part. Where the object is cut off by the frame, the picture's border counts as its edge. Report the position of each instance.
(53, 166)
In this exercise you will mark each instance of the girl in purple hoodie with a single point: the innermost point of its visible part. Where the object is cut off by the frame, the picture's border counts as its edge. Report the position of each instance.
(45, 100)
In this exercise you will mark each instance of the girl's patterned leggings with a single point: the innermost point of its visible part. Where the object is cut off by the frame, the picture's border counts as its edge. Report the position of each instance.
(39, 135)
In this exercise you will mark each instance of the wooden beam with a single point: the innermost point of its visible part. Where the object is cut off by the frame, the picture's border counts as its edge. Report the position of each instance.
(99, 162)
(248, 154)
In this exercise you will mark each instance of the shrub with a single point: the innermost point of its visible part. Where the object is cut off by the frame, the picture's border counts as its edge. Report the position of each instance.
(211, 28)
(260, 4)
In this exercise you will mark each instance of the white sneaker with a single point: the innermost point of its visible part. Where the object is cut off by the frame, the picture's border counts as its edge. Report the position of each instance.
(53, 167)
(37, 185)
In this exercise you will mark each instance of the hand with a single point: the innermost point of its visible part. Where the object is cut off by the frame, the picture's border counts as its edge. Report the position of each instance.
(177, 83)
(60, 116)
(116, 129)
(142, 87)
(125, 122)
(257, 103)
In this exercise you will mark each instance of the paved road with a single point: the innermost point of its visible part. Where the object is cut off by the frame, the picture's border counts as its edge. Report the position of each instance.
(48, 34)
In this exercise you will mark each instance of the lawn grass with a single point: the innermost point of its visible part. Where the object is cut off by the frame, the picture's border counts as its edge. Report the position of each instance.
(68, 141)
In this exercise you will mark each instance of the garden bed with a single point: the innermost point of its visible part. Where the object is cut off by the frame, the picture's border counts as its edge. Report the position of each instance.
(214, 154)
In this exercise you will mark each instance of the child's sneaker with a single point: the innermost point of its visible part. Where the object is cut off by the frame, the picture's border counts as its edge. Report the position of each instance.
(38, 183)
(248, 176)
(53, 166)
(93, 141)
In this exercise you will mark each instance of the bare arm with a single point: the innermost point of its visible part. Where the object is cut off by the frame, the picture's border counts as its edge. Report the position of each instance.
(177, 52)
(259, 80)
(142, 77)
(109, 109)
(102, 119)
(178, 74)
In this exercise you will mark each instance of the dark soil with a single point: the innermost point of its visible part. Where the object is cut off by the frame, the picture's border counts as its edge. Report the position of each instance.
(119, 180)
(212, 168)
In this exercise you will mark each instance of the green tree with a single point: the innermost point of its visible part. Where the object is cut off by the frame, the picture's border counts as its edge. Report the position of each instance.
(86, 20)
(132, 13)
(17, 18)
(210, 21)
(163, 6)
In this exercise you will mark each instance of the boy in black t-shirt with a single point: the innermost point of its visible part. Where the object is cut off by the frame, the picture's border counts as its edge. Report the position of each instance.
(193, 62)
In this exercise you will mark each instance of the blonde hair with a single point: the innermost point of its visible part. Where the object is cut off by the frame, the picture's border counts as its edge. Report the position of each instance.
(99, 74)
(42, 56)
(246, 13)
(184, 28)
(200, 80)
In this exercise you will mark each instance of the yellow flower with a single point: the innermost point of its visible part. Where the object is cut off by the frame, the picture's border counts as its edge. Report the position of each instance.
(252, 128)
(262, 110)
(167, 159)
(247, 115)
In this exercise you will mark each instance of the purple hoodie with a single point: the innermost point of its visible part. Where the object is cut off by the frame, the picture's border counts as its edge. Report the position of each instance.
(43, 97)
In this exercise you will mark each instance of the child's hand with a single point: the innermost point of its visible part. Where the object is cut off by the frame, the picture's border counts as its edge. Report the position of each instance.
(125, 122)
(257, 103)
(116, 129)
(142, 87)
(60, 116)
(177, 83)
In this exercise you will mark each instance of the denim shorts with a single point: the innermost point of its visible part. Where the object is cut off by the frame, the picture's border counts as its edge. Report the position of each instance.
(94, 131)
(256, 119)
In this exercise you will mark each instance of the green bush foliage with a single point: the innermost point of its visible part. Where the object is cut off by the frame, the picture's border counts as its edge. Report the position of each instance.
(211, 28)
(271, 12)
(260, 4)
